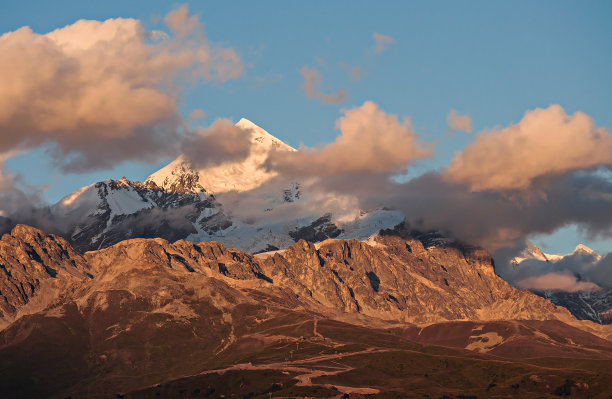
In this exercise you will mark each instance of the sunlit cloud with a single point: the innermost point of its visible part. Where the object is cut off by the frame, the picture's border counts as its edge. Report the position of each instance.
(370, 140)
(556, 282)
(546, 141)
(100, 92)
(220, 143)
(454, 121)
(312, 84)
(197, 114)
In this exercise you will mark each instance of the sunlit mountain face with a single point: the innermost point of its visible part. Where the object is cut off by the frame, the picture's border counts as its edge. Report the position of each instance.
(395, 218)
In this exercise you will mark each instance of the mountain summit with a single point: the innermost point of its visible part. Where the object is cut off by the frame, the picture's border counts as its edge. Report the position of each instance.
(592, 304)
(181, 201)
(240, 176)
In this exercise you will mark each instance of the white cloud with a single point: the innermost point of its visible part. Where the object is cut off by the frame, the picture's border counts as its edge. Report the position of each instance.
(101, 92)
(546, 141)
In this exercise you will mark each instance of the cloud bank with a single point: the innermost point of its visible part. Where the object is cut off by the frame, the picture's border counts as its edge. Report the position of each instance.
(546, 141)
(556, 282)
(370, 140)
(101, 92)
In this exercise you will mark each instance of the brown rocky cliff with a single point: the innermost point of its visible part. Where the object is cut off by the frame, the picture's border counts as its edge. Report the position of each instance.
(388, 277)
(207, 258)
(398, 279)
(34, 269)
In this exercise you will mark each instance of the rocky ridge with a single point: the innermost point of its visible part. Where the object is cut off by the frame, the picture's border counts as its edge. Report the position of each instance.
(152, 316)
(34, 269)
(387, 277)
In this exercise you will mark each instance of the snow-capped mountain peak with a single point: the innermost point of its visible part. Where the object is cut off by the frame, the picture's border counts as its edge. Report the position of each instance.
(262, 138)
(535, 253)
(581, 248)
(243, 175)
(176, 202)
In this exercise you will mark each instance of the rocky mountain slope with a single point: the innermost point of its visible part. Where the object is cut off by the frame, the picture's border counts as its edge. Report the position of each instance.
(387, 277)
(148, 317)
(34, 269)
(182, 202)
(593, 304)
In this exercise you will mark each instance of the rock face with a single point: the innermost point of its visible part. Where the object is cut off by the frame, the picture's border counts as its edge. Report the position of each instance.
(107, 212)
(387, 277)
(399, 279)
(595, 305)
(149, 313)
(34, 269)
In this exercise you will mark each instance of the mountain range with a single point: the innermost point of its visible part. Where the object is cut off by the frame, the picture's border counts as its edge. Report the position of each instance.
(180, 201)
(389, 317)
(593, 304)
(168, 288)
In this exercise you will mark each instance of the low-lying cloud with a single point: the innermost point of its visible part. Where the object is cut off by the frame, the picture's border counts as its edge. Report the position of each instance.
(556, 282)
(578, 271)
(100, 92)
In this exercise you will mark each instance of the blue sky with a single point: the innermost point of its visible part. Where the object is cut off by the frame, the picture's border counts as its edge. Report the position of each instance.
(490, 60)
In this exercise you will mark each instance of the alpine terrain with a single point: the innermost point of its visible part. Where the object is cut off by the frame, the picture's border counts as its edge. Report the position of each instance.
(182, 202)
(169, 288)
(594, 303)
(392, 316)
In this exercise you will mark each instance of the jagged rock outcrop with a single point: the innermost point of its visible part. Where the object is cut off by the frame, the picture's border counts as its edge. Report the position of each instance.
(211, 259)
(319, 230)
(387, 277)
(34, 268)
(399, 279)
(148, 313)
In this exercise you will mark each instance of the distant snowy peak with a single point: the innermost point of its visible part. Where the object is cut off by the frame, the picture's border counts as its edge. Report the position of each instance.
(239, 176)
(583, 249)
(533, 252)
